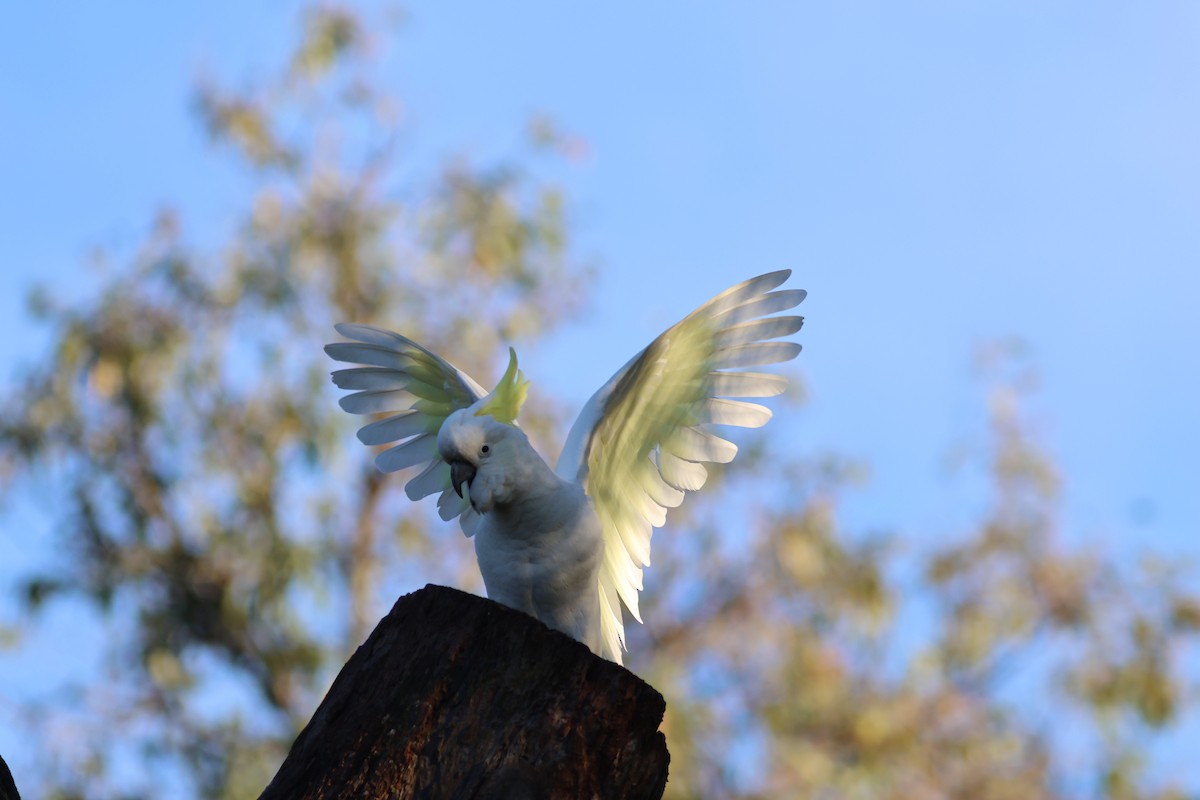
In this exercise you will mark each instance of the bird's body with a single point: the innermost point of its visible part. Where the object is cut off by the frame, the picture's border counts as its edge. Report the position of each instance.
(538, 542)
(567, 545)
(545, 562)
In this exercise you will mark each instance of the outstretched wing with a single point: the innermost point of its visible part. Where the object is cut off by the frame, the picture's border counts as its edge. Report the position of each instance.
(641, 441)
(418, 389)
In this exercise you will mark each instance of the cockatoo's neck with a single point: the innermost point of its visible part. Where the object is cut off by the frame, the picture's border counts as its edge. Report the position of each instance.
(538, 504)
(533, 474)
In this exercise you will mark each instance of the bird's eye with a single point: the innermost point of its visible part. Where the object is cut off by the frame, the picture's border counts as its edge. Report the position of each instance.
(485, 450)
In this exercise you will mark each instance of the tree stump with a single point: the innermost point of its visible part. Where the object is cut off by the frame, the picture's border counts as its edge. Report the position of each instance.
(8, 789)
(456, 696)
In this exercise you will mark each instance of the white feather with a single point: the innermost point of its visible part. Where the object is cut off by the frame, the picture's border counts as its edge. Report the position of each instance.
(761, 306)
(755, 355)
(746, 384)
(415, 451)
(432, 480)
(758, 330)
(393, 429)
(450, 505)
(718, 411)
(659, 490)
(373, 354)
(691, 444)
(685, 475)
(376, 402)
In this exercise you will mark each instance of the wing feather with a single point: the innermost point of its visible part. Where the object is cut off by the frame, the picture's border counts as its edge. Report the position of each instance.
(373, 354)
(642, 440)
(468, 520)
(659, 490)
(393, 429)
(417, 450)
(650, 509)
(747, 384)
(433, 479)
(686, 476)
(418, 390)
(370, 379)
(450, 505)
(635, 528)
(626, 575)
(375, 402)
(755, 354)
(693, 444)
(719, 411)
(766, 304)
(758, 330)
(745, 291)
(610, 609)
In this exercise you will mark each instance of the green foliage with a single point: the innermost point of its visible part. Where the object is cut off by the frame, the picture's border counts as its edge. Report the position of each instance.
(203, 475)
(882, 666)
(212, 506)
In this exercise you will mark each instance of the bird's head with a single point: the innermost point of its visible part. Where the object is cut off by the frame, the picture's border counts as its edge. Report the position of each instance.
(482, 454)
(480, 443)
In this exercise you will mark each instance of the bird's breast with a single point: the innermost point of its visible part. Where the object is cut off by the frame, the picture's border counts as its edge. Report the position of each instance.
(545, 560)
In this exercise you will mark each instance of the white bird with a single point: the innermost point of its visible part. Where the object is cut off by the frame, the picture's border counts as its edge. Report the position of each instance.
(567, 545)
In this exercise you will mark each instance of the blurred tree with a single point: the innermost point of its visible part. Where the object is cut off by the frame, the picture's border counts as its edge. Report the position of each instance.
(876, 667)
(201, 474)
(212, 506)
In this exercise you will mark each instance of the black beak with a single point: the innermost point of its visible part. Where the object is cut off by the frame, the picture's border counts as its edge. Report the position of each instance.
(461, 472)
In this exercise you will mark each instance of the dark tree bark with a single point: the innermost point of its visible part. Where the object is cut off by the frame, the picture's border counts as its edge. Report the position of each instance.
(456, 696)
(8, 789)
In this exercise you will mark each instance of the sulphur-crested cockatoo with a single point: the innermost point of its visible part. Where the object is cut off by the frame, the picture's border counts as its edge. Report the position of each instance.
(568, 544)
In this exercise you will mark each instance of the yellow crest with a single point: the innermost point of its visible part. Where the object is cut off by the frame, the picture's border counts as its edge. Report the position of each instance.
(505, 401)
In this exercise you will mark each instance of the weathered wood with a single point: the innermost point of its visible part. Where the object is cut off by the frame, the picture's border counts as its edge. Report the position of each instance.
(456, 696)
(8, 789)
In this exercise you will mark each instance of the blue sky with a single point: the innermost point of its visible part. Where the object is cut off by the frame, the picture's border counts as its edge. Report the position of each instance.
(936, 173)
